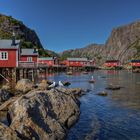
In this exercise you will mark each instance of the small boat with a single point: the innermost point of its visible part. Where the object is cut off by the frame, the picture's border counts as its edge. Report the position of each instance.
(69, 73)
(85, 72)
(92, 80)
(136, 71)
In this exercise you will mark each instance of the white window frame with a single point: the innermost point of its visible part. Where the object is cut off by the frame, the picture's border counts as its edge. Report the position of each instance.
(29, 59)
(6, 58)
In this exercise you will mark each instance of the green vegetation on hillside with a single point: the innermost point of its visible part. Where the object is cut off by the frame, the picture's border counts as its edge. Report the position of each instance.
(30, 45)
(65, 55)
(28, 37)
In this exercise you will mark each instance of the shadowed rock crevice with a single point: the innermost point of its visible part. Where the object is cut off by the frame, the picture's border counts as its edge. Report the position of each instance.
(28, 129)
(39, 118)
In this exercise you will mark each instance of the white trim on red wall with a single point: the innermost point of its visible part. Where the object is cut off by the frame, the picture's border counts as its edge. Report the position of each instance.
(3, 55)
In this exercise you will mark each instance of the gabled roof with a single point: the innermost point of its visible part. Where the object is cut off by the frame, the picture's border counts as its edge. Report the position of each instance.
(135, 61)
(29, 52)
(46, 58)
(77, 59)
(7, 44)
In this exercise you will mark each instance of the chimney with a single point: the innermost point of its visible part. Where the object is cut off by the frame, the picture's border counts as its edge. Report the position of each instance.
(13, 39)
(35, 50)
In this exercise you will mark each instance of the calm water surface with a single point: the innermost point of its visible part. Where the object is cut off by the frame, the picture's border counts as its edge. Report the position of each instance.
(114, 117)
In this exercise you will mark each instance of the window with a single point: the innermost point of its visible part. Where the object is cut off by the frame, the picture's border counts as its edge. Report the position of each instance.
(29, 59)
(3, 55)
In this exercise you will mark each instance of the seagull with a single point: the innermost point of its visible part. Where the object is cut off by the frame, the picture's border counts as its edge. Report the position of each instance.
(52, 85)
(60, 84)
(92, 77)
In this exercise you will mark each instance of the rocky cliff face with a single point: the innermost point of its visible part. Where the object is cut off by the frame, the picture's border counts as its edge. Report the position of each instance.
(28, 37)
(89, 51)
(123, 44)
(8, 24)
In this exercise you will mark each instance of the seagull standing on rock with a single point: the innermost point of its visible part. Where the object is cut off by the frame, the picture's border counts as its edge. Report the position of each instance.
(52, 85)
(60, 84)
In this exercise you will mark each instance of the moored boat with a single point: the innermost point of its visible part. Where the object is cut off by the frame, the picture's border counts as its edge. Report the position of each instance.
(69, 73)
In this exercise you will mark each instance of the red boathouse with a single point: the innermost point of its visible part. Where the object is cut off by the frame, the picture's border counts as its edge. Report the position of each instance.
(135, 63)
(76, 62)
(28, 55)
(9, 53)
(28, 58)
(49, 61)
(112, 63)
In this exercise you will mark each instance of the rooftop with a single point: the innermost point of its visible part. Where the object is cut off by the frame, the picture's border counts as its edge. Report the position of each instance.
(29, 52)
(46, 58)
(135, 61)
(7, 44)
(77, 59)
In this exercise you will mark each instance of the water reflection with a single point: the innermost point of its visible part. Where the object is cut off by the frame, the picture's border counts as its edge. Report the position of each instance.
(115, 117)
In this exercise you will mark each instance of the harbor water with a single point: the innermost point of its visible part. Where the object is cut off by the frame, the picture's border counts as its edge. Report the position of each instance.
(112, 117)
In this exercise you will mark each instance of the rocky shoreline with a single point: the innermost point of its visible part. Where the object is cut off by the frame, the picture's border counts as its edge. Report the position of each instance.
(36, 113)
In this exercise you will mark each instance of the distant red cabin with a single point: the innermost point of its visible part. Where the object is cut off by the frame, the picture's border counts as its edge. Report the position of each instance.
(28, 55)
(49, 61)
(9, 53)
(135, 63)
(112, 63)
(78, 62)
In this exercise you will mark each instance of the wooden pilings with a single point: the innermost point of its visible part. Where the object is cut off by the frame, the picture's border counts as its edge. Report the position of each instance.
(12, 75)
(8, 75)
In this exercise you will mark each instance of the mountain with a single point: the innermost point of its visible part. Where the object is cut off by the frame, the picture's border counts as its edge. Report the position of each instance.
(123, 44)
(52, 53)
(28, 37)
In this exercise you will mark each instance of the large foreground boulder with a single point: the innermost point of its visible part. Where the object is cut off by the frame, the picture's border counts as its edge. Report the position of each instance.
(77, 92)
(24, 85)
(44, 115)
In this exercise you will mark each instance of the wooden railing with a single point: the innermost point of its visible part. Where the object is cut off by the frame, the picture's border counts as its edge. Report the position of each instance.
(40, 65)
(26, 64)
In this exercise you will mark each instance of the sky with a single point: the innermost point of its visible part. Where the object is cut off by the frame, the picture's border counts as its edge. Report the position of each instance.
(71, 24)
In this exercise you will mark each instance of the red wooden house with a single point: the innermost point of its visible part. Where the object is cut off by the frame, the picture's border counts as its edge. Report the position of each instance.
(49, 61)
(135, 63)
(28, 58)
(9, 53)
(28, 55)
(76, 62)
(112, 63)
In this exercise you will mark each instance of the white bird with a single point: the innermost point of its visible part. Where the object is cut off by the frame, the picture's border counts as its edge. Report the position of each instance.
(60, 84)
(52, 85)
(92, 77)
